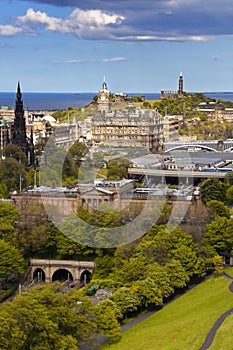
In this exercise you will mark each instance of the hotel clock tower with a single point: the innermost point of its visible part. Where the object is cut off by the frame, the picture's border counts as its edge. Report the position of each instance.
(103, 101)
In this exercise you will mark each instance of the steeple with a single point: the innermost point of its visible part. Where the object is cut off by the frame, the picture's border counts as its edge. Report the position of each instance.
(19, 136)
(104, 85)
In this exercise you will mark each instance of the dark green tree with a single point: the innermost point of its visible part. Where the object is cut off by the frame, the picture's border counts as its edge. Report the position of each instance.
(218, 208)
(13, 151)
(12, 175)
(219, 234)
(127, 300)
(213, 189)
(11, 261)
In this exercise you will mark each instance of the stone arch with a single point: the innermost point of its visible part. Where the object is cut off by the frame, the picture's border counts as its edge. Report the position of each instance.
(182, 146)
(230, 149)
(85, 276)
(62, 275)
(39, 275)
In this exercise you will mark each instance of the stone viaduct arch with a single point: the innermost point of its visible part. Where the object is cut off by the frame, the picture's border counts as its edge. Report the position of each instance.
(190, 146)
(51, 270)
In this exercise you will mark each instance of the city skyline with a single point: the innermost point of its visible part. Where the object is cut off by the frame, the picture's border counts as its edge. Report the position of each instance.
(70, 46)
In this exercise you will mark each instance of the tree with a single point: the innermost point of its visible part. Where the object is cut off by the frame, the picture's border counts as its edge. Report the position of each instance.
(9, 213)
(229, 179)
(213, 189)
(126, 300)
(218, 264)
(132, 270)
(161, 278)
(149, 292)
(13, 151)
(218, 208)
(219, 234)
(74, 158)
(8, 220)
(11, 260)
(117, 169)
(106, 314)
(12, 175)
(47, 318)
(229, 195)
(177, 274)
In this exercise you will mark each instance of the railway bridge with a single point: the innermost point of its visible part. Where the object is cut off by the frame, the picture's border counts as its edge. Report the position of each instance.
(208, 145)
(48, 271)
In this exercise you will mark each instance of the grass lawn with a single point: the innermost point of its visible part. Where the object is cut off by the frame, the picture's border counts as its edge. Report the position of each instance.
(184, 323)
(229, 271)
(224, 337)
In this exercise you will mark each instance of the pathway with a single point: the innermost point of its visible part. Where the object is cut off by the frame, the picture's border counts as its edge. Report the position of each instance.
(210, 336)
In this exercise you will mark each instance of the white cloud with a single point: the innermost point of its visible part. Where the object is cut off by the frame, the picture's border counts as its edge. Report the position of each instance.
(157, 20)
(83, 24)
(111, 59)
(8, 30)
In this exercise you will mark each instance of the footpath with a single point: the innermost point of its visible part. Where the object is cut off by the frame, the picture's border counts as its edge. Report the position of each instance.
(210, 336)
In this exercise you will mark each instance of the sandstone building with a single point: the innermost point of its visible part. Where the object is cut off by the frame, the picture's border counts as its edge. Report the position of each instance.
(133, 126)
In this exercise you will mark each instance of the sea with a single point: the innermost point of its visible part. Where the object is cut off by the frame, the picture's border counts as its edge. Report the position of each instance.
(52, 101)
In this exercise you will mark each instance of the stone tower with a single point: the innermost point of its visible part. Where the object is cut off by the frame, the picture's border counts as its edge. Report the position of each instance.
(104, 103)
(181, 83)
(19, 136)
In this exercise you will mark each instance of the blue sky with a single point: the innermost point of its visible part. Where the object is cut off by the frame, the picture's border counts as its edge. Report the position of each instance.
(139, 46)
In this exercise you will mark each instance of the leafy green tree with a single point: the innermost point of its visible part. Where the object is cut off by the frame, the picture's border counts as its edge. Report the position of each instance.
(229, 179)
(9, 213)
(50, 177)
(229, 195)
(74, 158)
(160, 276)
(177, 274)
(12, 176)
(218, 264)
(117, 169)
(106, 314)
(32, 325)
(11, 260)
(126, 300)
(219, 234)
(8, 220)
(13, 151)
(218, 208)
(191, 261)
(33, 224)
(47, 318)
(132, 270)
(213, 189)
(177, 245)
(149, 292)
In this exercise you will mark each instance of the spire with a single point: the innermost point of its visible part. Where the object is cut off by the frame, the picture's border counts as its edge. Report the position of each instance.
(104, 85)
(19, 95)
(19, 137)
(19, 102)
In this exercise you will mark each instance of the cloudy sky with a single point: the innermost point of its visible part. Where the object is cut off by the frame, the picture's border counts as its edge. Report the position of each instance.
(137, 45)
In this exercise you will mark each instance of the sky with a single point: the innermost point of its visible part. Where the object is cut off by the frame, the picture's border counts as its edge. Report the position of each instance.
(135, 45)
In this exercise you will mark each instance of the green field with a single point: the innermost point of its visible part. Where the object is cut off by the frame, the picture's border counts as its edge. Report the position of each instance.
(184, 323)
(224, 336)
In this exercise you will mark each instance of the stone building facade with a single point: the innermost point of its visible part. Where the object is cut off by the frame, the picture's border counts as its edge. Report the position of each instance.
(130, 127)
